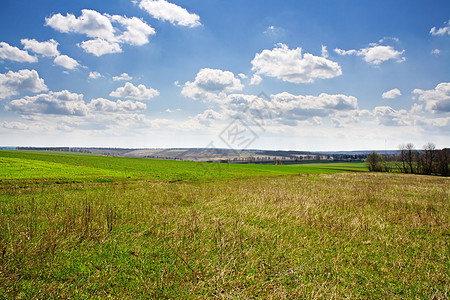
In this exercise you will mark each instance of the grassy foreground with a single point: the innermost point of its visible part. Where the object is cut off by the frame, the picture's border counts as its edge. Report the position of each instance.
(341, 235)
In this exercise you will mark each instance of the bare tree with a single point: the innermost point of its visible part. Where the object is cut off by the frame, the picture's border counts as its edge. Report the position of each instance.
(410, 156)
(427, 159)
(443, 161)
(402, 156)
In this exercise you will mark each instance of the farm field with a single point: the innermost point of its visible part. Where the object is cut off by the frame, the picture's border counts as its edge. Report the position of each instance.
(35, 165)
(82, 226)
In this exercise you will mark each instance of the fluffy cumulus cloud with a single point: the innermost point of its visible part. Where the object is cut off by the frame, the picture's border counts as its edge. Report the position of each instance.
(211, 84)
(99, 47)
(208, 117)
(288, 109)
(15, 54)
(12, 83)
(107, 32)
(378, 54)
(388, 116)
(49, 48)
(255, 80)
(129, 91)
(54, 103)
(94, 75)
(91, 23)
(123, 76)
(66, 62)
(375, 54)
(166, 11)
(436, 100)
(391, 94)
(105, 105)
(290, 65)
(299, 106)
(441, 31)
(137, 31)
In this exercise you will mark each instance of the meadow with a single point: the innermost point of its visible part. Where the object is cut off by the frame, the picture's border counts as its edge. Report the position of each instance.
(82, 226)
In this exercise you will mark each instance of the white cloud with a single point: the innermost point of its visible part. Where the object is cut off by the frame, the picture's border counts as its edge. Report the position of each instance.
(137, 30)
(49, 48)
(375, 54)
(55, 103)
(123, 76)
(273, 31)
(298, 106)
(14, 125)
(12, 83)
(91, 23)
(94, 75)
(139, 92)
(345, 52)
(256, 79)
(100, 47)
(105, 105)
(388, 116)
(172, 111)
(436, 123)
(416, 109)
(66, 62)
(324, 51)
(436, 51)
(210, 83)
(291, 110)
(395, 39)
(292, 66)
(378, 54)
(391, 94)
(242, 76)
(106, 38)
(166, 11)
(436, 100)
(441, 31)
(15, 54)
(207, 117)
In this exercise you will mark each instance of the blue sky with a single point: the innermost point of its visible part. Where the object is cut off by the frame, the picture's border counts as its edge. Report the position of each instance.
(300, 75)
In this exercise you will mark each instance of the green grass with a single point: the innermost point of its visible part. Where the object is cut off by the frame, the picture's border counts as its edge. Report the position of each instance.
(34, 165)
(21, 168)
(353, 235)
(350, 166)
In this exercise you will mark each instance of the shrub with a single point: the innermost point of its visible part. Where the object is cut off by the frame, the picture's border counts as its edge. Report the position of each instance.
(374, 162)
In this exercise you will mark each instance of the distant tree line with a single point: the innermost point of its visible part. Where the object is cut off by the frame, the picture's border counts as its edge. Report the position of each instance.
(427, 161)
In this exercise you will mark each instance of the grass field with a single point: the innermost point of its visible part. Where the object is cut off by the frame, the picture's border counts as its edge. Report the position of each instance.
(80, 226)
(35, 165)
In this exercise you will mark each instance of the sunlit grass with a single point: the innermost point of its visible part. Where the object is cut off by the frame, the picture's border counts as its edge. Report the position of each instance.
(134, 228)
(357, 235)
(39, 165)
